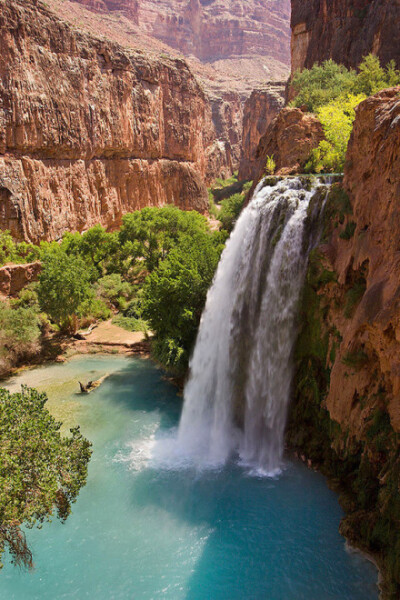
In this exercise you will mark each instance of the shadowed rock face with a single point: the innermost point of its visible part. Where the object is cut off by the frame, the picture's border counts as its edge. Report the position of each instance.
(289, 139)
(344, 30)
(259, 112)
(372, 179)
(90, 131)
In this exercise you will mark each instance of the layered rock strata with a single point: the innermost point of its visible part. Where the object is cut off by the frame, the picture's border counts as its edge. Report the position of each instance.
(259, 112)
(346, 413)
(89, 131)
(344, 30)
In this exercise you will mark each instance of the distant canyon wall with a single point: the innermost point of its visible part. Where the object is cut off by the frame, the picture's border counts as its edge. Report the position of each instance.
(210, 29)
(90, 131)
(344, 30)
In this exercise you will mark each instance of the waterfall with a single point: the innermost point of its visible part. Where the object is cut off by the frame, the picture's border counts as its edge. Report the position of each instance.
(237, 394)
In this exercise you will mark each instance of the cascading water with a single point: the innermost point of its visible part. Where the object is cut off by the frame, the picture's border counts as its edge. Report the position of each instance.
(238, 391)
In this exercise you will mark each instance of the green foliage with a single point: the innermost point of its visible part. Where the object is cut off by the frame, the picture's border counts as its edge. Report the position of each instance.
(348, 231)
(96, 247)
(325, 83)
(131, 323)
(64, 285)
(337, 121)
(372, 77)
(322, 84)
(114, 290)
(353, 297)
(355, 359)
(148, 235)
(230, 211)
(13, 252)
(174, 296)
(40, 472)
(19, 332)
(270, 166)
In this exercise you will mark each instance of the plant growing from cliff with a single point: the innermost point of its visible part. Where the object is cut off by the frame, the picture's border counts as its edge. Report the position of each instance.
(64, 286)
(337, 121)
(41, 473)
(270, 166)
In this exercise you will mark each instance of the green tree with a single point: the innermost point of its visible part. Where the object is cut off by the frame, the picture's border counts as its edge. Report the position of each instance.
(230, 210)
(64, 285)
(174, 295)
(40, 472)
(322, 84)
(337, 121)
(150, 234)
(19, 332)
(372, 77)
(96, 246)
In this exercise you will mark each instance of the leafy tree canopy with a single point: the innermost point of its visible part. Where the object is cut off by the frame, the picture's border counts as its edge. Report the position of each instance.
(41, 472)
(64, 285)
(329, 81)
(174, 295)
(150, 233)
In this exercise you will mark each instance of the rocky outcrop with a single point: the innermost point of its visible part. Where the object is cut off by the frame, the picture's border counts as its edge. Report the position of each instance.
(13, 278)
(289, 139)
(90, 131)
(346, 413)
(344, 30)
(259, 111)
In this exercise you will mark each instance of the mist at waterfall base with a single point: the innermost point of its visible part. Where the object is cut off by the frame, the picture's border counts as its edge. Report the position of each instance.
(237, 396)
(141, 532)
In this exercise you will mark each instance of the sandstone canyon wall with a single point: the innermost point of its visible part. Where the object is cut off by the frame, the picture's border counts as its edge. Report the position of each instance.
(344, 30)
(259, 111)
(89, 131)
(346, 411)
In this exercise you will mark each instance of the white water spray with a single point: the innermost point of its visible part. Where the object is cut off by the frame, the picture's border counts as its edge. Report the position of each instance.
(237, 395)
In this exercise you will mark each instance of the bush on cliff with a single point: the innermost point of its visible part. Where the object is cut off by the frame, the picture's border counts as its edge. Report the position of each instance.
(337, 121)
(41, 473)
(330, 81)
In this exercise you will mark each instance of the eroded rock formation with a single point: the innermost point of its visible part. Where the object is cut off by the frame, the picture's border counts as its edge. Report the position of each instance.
(259, 111)
(13, 278)
(89, 130)
(289, 139)
(344, 30)
(346, 412)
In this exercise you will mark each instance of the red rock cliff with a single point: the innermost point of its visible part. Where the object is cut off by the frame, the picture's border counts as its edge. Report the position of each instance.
(88, 130)
(344, 30)
(259, 112)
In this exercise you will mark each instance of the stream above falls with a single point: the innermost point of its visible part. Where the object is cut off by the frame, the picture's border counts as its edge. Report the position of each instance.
(141, 531)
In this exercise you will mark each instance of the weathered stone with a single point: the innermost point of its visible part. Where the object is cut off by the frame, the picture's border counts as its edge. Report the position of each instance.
(15, 277)
(259, 111)
(344, 30)
(89, 130)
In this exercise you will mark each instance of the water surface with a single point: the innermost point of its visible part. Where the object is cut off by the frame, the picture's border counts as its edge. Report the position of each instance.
(141, 532)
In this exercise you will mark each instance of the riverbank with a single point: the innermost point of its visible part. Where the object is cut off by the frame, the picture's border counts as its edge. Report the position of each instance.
(104, 338)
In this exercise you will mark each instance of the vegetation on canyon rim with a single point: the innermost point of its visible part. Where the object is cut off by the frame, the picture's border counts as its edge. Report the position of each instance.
(333, 92)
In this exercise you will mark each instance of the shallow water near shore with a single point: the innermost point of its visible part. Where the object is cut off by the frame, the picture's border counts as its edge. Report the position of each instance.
(140, 531)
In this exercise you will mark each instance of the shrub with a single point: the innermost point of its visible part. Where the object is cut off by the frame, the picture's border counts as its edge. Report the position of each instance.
(270, 166)
(230, 210)
(19, 332)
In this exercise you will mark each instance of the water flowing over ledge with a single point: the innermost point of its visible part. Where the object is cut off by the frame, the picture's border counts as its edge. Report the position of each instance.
(238, 391)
